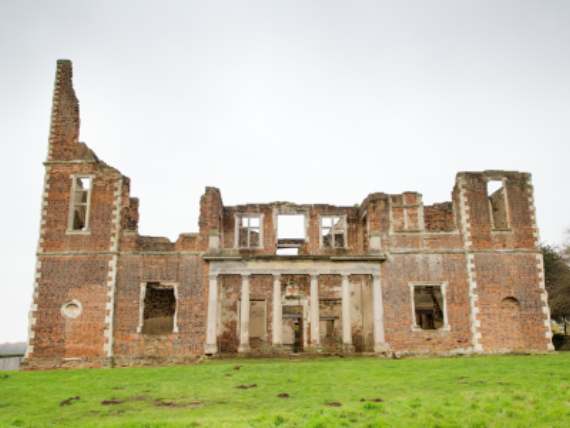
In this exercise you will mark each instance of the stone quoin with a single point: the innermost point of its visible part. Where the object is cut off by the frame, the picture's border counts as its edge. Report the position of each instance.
(389, 275)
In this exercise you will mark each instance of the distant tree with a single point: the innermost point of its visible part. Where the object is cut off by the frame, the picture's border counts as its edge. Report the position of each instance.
(557, 279)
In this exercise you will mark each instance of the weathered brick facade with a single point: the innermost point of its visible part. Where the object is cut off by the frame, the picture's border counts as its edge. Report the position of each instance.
(354, 284)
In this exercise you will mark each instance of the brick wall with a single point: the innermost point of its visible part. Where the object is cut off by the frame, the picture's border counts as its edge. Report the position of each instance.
(495, 300)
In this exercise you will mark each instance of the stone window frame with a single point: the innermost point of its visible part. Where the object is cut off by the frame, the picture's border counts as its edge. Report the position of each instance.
(75, 302)
(237, 220)
(490, 207)
(345, 231)
(87, 229)
(443, 285)
(142, 295)
(405, 207)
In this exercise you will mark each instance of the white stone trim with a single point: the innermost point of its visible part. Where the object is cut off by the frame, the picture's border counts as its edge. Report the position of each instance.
(244, 314)
(490, 207)
(314, 317)
(277, 323)
(470, 268)
(87, 229)
(345, 230)
(540, 266)
(211, 345)
(142, 295)
(532, 212)
(112, 274)
(300, 267)
(380, 344)
(38, 267)
(74, 302)
(237, 222)
(544, 298)
(441, 284)
(346, 310)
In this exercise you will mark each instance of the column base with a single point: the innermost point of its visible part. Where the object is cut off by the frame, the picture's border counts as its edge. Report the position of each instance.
(347, 348)
(313, 349)
(381, 348)
(210, 349)
(244, 349)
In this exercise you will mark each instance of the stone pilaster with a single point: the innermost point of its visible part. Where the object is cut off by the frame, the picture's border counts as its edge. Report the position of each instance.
(211, 330)
(277, 338)
(346, 317)
(244, 315)
(314, 313)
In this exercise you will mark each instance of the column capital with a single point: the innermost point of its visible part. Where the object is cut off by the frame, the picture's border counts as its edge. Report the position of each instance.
(276, 276)
(376, 276)
(246, 275)
(345, 275)
(314, 275)
(212, 276)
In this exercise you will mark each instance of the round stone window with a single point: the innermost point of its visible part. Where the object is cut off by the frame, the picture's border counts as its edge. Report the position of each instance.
(71, 309)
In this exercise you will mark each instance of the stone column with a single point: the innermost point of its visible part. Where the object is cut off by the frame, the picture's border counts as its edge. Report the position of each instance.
(314, 312)
(244, 315)
(277, 311)
(211, 330)
(346, 319)
(378, 315)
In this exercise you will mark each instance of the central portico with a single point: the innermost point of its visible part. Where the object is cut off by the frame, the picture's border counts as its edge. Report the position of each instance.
(289, 303)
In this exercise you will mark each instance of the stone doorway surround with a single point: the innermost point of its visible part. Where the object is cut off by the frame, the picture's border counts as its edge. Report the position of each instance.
(283, 265)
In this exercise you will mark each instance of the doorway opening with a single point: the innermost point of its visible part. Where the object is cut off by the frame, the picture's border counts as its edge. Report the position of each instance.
(293, 327)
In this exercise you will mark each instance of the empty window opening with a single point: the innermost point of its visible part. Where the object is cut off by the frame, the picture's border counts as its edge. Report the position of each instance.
(333, 231)
(291, 226)
(428, 307)
(364, 229)
(497, 198)
(159, 309)
(80, 198)
(287, 251)
(249, 233)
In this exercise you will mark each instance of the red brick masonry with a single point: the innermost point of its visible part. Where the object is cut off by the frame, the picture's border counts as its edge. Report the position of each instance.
(490, 267)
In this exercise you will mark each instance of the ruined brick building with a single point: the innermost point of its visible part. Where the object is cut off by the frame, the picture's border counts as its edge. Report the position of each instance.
(387, 275)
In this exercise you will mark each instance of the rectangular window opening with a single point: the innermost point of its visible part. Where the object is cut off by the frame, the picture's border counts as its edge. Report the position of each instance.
(428, 307)
(80, 199)
(497, 198)
(249, 231)
(333, 231)
(159, 309)
(290, 226)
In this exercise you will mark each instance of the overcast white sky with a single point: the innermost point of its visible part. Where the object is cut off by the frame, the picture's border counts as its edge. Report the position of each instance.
(307, 101)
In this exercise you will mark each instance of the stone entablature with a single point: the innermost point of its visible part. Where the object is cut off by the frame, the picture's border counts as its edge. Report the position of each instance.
(387, 275)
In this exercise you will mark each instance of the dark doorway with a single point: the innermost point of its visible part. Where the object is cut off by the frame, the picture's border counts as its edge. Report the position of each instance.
(293, 327)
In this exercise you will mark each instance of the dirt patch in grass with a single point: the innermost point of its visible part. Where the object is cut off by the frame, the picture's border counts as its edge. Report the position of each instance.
(372, 400)
(333, 404)
(111, 402)
(159, 402)
(283, 395)
(237, 367)
(69, 401)
(253, 385)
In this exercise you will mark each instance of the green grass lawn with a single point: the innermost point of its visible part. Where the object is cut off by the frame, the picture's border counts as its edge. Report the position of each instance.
(493, 391)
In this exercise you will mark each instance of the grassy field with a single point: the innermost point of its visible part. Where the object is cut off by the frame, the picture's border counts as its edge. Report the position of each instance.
(462, 392)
